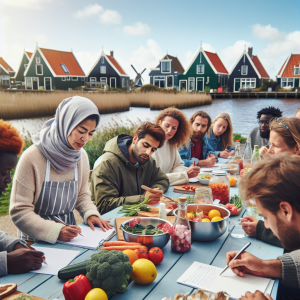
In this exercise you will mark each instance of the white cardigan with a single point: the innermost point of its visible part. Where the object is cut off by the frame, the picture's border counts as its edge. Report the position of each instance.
(169, 161)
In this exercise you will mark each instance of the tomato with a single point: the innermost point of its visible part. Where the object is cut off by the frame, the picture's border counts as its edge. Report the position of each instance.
(156, 255)
(187, 187)
(193, 188)
(141, 254)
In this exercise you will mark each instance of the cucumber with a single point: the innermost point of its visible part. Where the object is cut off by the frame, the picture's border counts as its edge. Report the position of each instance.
(72, 271)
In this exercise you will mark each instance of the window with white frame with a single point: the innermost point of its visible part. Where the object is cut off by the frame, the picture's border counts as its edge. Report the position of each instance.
(25, 66)
(159, 81)
(244, 70)
(63, 79)
(103, 69)
(68, 78)
(64, 67)
(296, 70)
(191, 84)
(39, 69)
(93, 81)
(200, 69)
(74, 78)
(103, 80)
(287, 82)
(123, 82)
(38, 60)
(102, 60)
(165, 66)
(169, 81)
(248, 83)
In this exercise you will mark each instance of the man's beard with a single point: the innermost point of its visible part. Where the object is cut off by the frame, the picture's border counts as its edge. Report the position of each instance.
(138, 156)
(289, 237)
(197, 137)
(264, 135)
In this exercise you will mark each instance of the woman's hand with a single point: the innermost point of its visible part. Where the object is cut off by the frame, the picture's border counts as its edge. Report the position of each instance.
(103, 224)
(256, 296)
(249, 225)
(263, 151)
(193, 171)
(231, 153)
(224, 154)
(68, 233)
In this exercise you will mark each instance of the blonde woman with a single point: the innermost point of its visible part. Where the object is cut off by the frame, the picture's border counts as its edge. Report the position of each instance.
(177, 131)
(220, 136)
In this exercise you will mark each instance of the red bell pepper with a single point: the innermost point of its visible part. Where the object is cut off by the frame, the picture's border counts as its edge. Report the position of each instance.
(77, 288)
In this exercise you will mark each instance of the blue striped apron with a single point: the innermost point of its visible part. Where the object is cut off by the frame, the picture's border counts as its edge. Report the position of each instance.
(56, 199)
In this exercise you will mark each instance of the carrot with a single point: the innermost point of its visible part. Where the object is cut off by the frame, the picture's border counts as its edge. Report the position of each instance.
(119, 243)
(121, 248)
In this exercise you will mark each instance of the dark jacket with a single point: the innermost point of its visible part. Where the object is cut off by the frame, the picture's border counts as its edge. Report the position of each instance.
(266, 235)
(116, 181)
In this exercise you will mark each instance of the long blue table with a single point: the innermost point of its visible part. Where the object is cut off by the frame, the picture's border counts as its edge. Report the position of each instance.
(172, 267)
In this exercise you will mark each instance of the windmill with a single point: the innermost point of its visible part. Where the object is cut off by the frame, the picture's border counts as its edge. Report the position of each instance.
(138, 79)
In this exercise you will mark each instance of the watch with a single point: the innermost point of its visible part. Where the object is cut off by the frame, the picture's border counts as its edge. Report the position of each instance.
(23, 243)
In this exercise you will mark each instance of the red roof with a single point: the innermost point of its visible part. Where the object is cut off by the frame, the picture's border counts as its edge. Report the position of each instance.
(29, 54)
(282, 67)
(216, 61)
(5, 65)
(114, 62)
(263, 73)
(55, 58)
(289, 69)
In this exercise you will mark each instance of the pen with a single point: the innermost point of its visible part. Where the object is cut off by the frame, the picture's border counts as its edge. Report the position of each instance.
(240, 252)
(62, 222)
(44, 260)
(194, 164)
(24, 244)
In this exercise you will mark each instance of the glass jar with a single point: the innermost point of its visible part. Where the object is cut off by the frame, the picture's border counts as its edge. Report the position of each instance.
(220, 186)
(181, 237)
(203, 195)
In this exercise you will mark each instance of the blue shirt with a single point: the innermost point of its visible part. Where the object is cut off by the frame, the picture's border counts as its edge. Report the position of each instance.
(216, 143)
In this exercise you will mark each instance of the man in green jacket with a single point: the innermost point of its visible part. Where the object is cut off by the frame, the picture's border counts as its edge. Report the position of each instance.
(125, 166)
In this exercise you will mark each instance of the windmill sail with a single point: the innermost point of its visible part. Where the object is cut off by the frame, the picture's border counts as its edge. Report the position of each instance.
(138, 81)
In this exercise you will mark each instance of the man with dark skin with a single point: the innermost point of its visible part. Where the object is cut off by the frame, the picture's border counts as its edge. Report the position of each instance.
(260, 135)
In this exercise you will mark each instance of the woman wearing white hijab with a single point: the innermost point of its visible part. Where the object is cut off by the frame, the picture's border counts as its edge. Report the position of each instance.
(51, 178)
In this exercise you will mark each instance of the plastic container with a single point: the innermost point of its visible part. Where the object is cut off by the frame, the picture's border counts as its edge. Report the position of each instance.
(220, 186)
(162, 211)
(181, 239)
(203, 195)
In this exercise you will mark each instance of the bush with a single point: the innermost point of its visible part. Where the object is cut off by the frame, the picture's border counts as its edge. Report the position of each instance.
(149, 88)
(256, 90)
(264, 88)
(207, 90)
(238, 136)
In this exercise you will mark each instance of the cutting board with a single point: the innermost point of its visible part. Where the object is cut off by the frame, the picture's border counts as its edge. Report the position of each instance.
(119, 221)
(17, 293)
(180, 189)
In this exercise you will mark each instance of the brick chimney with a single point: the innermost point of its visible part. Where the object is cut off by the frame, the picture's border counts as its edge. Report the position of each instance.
(250, 50)
(111, 53)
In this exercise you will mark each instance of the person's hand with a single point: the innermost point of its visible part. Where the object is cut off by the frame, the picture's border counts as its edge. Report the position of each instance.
(154, 195)
(24, 260)
(103, 224)
(20, 246)
(263, 151)
(209, 162)
(256, 296)
(224, 154)
(68, 233)
(249, 225)
(193, 171)
(231, 153)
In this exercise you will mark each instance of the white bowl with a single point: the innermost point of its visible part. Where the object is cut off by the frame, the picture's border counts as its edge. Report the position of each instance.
(204, 181)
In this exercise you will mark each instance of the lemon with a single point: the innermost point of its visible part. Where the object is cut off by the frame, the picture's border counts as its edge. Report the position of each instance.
(205, 220)
(214, 213)
(144, 271)
(232, 181)
(216, 219)
(96, 294)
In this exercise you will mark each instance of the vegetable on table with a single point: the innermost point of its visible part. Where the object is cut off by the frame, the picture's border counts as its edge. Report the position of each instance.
(142, 230)
(133, 210)
(109, 271)
(141, 254)
(122, 248)
(119, 243)
(77, 288)
(156, 255)
(96, 294)
(236, 201)
(72, 271)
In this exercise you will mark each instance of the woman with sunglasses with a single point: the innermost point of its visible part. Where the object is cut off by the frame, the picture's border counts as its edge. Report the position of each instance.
(284, 137)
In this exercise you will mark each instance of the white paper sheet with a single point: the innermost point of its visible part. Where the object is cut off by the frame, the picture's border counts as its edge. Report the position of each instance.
(207, 277)
(56, 259)
(90, 239)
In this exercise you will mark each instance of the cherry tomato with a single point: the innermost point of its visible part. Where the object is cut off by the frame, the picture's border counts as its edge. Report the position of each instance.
(156, 255)
(193, 188)
(141, 254)
(187, 188)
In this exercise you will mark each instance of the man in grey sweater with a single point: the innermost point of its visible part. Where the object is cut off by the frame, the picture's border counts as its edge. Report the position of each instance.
(274, 184)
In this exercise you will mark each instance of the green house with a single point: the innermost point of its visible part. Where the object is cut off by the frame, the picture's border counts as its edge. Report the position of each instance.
(52, 69)
(206, 69)
(19, 79)
(6, 73)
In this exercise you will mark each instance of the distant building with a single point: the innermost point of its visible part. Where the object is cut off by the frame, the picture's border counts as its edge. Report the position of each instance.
(107, 72)
(247, 73)
(289, 73)
(19, 76)
(166, 74)
(6, 73)
(53, 69)
(206, 69)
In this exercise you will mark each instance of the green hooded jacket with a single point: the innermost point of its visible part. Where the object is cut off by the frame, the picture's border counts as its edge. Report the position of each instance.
(116, 181)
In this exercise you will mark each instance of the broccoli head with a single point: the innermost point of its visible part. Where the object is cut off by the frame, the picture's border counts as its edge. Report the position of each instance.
(109, 270)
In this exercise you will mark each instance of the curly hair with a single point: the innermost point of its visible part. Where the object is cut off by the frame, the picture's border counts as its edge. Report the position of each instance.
(153, 130)
(183, 132)
(10, 138)
(275, 112)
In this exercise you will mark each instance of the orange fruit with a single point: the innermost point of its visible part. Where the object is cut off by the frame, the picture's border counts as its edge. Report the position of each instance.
(132, 255)
(144, 271)
(232, 181)
(205, 220)
(214, 213)
(216, 219)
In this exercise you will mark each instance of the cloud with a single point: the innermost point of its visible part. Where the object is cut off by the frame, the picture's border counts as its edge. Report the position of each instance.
(110, 17)
(87, 59)
(137, 29)
(28, 4)
(266, 32)
(88, 11)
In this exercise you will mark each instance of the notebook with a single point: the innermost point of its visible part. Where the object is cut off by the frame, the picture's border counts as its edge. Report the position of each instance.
(207, 277)
(91, 239)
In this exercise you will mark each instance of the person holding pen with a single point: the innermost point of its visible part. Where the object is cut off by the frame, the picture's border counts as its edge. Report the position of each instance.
(177, 131)
(52, 176)
(274, 184)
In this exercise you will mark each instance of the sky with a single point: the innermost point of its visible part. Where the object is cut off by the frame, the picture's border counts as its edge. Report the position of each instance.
(142, 32)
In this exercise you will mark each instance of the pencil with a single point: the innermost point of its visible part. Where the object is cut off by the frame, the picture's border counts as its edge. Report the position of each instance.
(194, 164)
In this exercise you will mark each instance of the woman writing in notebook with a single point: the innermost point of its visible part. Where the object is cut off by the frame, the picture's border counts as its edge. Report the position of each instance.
(51, 179)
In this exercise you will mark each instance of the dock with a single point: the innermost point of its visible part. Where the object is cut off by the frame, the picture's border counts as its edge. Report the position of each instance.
(251, 95)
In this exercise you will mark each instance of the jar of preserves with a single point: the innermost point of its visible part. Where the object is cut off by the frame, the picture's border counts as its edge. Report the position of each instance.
(220, 186)
(203, 195)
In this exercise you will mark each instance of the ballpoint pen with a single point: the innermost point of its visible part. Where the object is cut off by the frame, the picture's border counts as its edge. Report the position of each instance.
(24, 244)
(240, 252)
(62, 222)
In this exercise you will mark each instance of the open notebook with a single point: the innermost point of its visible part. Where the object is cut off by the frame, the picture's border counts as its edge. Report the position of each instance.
(207, 277)
(91, 239)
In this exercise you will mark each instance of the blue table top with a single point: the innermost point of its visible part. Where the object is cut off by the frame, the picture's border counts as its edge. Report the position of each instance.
(172, 267)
